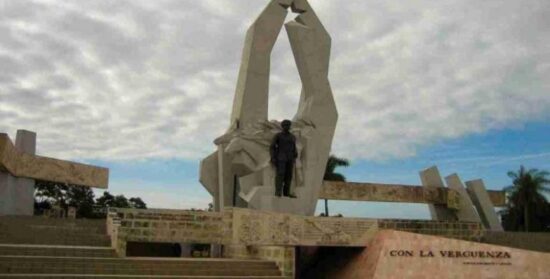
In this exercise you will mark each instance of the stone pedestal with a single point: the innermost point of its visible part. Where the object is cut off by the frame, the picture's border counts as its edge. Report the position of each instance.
(16, 193)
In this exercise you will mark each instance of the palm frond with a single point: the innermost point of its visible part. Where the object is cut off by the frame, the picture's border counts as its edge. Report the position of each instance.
(512, 175)
(332, 163)
(337, 161)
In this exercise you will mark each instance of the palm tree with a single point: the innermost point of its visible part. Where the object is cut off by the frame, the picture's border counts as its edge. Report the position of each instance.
(526, 194)
(332, 163)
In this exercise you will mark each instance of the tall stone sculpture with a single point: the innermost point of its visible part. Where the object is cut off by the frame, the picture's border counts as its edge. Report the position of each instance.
(239, 172)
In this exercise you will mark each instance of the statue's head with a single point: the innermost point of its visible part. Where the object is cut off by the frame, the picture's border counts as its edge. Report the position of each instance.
(286, 125)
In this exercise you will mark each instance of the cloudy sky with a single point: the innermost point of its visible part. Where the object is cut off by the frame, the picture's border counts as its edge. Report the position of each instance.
(143, 87)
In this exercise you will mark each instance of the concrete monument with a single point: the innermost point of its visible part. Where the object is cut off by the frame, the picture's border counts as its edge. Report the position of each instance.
(239, 173)
(20, 167)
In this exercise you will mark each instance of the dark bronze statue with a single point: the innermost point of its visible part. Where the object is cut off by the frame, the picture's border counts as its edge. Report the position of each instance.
(283, 154)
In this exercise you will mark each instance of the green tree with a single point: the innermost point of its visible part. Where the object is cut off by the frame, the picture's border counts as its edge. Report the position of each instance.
(330, 174)
(82, 198)
(137, 203)
(120, 201)
(48, 194)
(527, 207)
(107, 200)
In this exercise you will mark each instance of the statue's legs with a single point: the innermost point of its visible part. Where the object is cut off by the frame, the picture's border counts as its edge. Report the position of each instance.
(279, 177)
(283, 178)
(289, 169)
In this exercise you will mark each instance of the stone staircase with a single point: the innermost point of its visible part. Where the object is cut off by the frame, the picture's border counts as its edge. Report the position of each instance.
(43, 231)
(33, 247)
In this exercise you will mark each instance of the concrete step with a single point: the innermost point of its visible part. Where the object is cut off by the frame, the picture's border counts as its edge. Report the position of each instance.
(56, 251)
(48, 236)
(52, 229)
(41, 221)
(55, 239)
(134, 266)
(45, 231)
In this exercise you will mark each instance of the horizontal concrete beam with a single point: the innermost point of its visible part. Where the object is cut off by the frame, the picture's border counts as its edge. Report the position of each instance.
(378, 192)
(22, 164)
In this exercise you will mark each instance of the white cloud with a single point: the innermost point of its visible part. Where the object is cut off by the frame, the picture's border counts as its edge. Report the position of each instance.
(155, 79)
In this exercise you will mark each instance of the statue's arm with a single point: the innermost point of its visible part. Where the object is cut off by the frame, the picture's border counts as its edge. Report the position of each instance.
(273, 148)
(295, 148)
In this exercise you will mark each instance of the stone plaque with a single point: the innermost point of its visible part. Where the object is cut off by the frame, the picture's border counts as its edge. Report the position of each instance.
(410, 255)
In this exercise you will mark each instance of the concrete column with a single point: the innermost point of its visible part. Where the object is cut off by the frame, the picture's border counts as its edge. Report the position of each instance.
(16, 193)
(466, 212)
(430, 178)
(483, 204)
(6, 193)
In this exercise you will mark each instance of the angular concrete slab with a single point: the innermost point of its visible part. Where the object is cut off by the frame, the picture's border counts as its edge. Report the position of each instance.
(466, 211)
(483, 204)
(431, 179)
(252, 94)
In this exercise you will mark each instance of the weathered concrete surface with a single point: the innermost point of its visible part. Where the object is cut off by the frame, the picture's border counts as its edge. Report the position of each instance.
(484, 207)
(242, 174)
(394, 254)
(241, 226)
(378, 192)
(22, 164)
(498, 198)
(7, 195)
(311, 44)
(431, 179)
(253, 227)
(17, 193)
(382, 192)
(250, 105)
(465, 210)
(25, 141)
